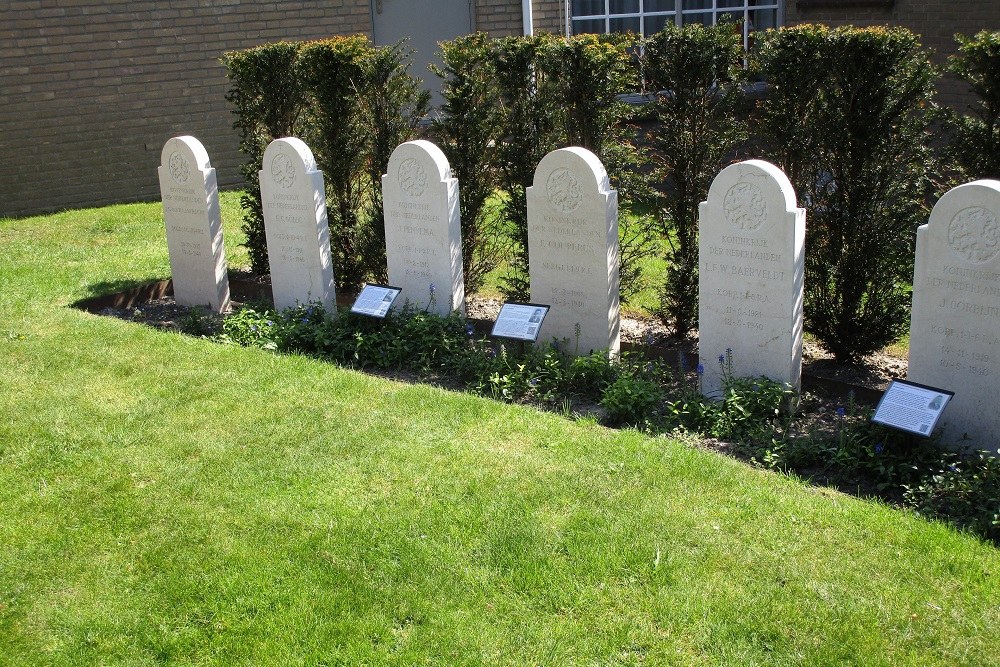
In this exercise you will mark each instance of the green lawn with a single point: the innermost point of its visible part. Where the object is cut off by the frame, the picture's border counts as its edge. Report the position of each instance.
(169, 500)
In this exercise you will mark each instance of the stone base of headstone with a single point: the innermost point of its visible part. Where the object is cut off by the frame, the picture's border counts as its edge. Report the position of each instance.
(751, 268)
(955, 319)
(295, 225)
(573, 251)
(423, 228)
(190, 195)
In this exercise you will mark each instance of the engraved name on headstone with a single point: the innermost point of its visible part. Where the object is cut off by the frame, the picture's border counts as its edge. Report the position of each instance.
(295, 225)
(573, 250)
(751, 267)
(955, 320)
(423, 228)
(190, 195)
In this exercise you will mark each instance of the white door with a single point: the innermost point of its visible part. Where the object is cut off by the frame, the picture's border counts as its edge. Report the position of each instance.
(424, 23)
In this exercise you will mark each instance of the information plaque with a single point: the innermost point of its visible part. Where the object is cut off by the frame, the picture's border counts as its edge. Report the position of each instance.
(911, 407)
(520, 321)
(375, 300)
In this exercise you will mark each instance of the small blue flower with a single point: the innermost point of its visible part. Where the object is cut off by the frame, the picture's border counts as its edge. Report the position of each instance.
(253, 327)
(729, 351)
(700, 369)
(433, 288)
(305, 320)
(722, 359)
(270, 323)
(534, 382)
(953, 467)
(469, 330)
(649, 338)
(309, 310)
(491, 353)
(841, 412)
(879, 447)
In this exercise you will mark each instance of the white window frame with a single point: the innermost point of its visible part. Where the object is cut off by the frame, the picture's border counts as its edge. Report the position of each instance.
(678, 13)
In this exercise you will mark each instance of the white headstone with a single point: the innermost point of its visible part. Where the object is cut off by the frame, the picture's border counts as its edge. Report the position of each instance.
(955, 320)
(423, 228)
(751, 268)
(573, 250)
(295, 225)
(190, 196)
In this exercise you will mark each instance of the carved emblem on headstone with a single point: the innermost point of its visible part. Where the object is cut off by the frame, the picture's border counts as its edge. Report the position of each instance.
(563, 190)
(282, 170)
(974, 233)
(179, 169)
(412, 177)
(745, 207)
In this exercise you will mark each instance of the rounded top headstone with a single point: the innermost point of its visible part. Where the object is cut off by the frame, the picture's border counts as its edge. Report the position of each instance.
(182, 156)
(745, 190)
(564, 175)
(416, 164)
(286, 159)
(968, 217)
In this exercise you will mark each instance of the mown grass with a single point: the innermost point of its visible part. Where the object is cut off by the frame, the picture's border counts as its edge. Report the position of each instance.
(169, 500)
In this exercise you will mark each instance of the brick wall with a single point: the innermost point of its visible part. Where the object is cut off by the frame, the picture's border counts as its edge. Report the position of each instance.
(936, 21)
(91, 89)
(550, 16)
(500, 18)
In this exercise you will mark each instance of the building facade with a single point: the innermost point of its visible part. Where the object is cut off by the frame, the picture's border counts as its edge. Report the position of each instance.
(91, 89)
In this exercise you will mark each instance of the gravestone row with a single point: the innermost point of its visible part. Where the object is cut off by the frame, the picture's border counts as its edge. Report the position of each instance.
(751, 262)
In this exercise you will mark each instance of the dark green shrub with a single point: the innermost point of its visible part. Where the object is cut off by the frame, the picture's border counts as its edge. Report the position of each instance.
(267, 93)
(696, 73)
(467, 132)
(976, 136)
(528, 126)
(847, 119)
(333, 71)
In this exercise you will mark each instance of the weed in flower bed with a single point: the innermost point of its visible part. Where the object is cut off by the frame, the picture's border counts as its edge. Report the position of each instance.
(760, 420)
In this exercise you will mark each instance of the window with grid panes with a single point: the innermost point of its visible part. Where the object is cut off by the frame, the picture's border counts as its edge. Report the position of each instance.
(648, 17)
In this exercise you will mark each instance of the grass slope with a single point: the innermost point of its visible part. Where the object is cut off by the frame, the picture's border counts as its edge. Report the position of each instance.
(167, 500)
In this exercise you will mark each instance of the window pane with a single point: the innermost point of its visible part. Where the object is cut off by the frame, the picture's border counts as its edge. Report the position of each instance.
(762, 19)
(731, 3)
(697, 4)
(654, 24)
(704, 18)
(731, 18)
(588, 7)
(623, 7)
(625, 25)
(660, 5)
(588, 25)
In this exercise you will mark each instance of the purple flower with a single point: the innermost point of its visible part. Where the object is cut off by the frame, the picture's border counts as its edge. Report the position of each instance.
(469, 330)
(879, 447)
(722, 360)
(305, 320)
(270, 323)
(700, 369)
(433, 288)
(841, 412)
(534, 382)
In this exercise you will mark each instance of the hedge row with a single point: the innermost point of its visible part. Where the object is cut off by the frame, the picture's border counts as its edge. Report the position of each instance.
(848, 115)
